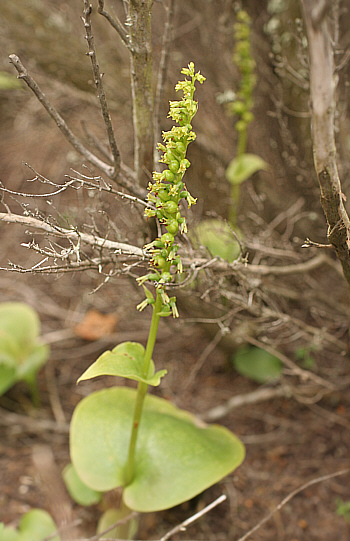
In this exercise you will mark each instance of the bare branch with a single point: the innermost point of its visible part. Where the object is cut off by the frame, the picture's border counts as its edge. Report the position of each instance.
(108, 170)
(322, 93)
(23, 74)
(97, 143)
(116, 23)
(263, 270)
(100, 90)
(119, 247)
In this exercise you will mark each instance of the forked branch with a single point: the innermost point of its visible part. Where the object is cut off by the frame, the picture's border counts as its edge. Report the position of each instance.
(115, 23)
(107, 169)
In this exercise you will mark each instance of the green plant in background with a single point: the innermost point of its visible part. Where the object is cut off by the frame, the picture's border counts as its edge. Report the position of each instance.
(305, 356)
(244, 164)
(257, 364)
(21, 354)
(343, 509)
(33, 526)
(8, 81)
(217, 236)
(123, 437)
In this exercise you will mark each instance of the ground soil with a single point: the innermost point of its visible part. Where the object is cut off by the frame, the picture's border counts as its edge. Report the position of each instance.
(288, 443)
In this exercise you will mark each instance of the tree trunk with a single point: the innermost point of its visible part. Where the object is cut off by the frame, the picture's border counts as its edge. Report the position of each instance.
(139, 21)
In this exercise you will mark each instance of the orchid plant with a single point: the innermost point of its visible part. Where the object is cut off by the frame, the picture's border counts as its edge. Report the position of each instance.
(158, 454)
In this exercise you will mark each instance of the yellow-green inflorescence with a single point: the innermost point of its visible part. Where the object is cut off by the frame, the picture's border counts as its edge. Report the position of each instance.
(166, 193)
(243, 59)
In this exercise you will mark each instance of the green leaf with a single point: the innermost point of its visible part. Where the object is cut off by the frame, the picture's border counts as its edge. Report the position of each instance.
(243, 167)
(126, 361)
(32, 364)
(218, 238)
(20, 326)
(257, 364)
(20, 355)
(35, 526)
(176, 458)
(7, 533)
(79, 491)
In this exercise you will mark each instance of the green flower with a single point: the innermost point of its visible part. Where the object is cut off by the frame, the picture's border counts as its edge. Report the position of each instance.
(168, 190)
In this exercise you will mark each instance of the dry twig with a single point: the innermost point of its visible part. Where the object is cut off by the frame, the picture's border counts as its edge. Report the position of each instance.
(291, 496)
(108, 170)
(100, 90)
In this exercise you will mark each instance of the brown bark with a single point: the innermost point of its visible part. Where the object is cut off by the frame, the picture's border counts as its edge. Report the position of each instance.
(322, 103)
(139, 21)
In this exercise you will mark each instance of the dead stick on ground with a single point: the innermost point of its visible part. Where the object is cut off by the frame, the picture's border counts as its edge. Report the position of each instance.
(290, 496)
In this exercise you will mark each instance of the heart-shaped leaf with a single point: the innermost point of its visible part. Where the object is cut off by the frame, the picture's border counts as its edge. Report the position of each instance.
(243, 167)
(126, 361)
(175, 459)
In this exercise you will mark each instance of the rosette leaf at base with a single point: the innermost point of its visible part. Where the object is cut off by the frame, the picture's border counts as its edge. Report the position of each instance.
(176, 457)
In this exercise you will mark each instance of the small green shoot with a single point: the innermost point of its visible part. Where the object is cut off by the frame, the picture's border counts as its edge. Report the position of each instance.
(343, 509)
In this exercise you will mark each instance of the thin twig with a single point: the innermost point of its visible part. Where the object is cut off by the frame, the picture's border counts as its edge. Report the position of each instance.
(96, 142)
(303, 374)
(23, 74)
(119, 522)
(260, 395)
(289, 497)
(8, 418)
(202, 358)
(99, 89)
(264, 270)
(181, 527)
(68, 134)
(61, 529)
(116, 23)
(120, 247)
(35, 195)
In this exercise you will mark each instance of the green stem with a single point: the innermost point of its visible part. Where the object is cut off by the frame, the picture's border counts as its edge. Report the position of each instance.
(142, 391)
(242, 142)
